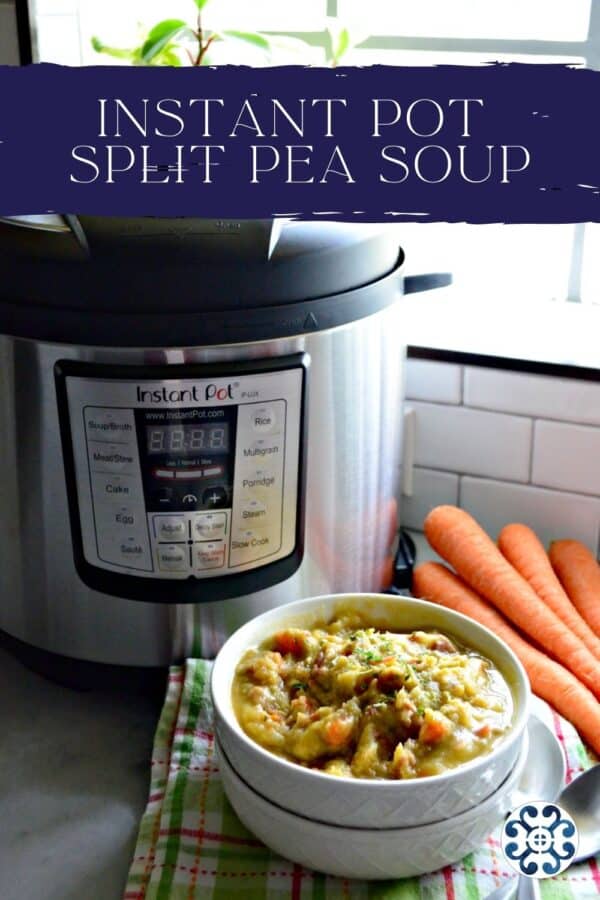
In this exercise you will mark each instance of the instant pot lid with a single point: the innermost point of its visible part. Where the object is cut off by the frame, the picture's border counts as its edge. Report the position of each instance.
(189, 282)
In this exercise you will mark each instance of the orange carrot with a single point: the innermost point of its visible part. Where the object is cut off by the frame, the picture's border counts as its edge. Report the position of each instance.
(549, 679)
(457, 537)
(579, 573)
(522, 548)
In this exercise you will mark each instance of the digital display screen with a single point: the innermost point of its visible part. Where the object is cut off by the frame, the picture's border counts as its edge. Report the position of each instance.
(187, 440)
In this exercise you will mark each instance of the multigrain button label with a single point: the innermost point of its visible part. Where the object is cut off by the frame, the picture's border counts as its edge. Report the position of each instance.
(261, 451)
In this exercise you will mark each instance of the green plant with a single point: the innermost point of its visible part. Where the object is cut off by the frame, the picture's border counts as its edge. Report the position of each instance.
(174, 42)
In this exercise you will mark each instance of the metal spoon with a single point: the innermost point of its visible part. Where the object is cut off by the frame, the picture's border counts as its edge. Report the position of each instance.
(581, 799)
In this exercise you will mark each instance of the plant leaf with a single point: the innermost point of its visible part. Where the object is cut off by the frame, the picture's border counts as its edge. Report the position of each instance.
(248, 37)
(116, 52)
(201, 4)
(343, 43)
(161, 35)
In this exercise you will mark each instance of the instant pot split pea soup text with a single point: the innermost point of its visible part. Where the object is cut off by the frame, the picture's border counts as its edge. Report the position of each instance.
(357, 701)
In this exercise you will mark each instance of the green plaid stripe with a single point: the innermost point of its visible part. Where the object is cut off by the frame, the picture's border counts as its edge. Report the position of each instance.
(191, 844)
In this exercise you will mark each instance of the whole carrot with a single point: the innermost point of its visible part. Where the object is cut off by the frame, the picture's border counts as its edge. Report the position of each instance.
(457, 537)
(549, 680)
(523, 549)
(579, 573)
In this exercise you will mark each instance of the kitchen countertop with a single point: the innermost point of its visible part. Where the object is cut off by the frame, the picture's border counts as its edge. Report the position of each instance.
(74, 775)
(74, 780)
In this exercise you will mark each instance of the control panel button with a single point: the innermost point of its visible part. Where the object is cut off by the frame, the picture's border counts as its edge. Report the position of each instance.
(248, 545)
(173, 557)
(253, 510)
(125, 517)
(214, 497)
(115, 488)
(170, 528)
(209, 555)
(130, 551)
(263, 449)
(207, 526)
(118, 458)
(263, 419)
(163, 496)
(109, 424)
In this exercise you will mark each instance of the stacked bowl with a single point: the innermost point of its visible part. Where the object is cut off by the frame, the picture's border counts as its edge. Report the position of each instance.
(358, 827)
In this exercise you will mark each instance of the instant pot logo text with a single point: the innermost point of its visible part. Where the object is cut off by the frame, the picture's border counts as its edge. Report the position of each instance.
(194, 394)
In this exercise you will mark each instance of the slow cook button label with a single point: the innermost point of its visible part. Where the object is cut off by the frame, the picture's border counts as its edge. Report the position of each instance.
(250, 545)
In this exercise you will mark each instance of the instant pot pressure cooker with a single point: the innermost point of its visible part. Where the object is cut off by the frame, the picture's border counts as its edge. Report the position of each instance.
(200, 420)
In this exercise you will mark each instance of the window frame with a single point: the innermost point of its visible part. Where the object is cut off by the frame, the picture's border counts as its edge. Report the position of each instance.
(588, 49)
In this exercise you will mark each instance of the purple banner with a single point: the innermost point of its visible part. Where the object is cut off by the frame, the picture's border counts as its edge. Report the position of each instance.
(498, 143)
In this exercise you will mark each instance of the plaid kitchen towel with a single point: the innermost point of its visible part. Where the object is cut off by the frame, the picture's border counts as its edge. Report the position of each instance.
(191, 844)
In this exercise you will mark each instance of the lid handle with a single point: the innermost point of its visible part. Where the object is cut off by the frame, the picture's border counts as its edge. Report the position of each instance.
(415, 284)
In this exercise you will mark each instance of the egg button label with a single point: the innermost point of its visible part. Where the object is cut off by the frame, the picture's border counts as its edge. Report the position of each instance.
(539, 840)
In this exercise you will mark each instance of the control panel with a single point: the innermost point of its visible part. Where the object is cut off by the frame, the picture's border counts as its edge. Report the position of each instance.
(186, 477)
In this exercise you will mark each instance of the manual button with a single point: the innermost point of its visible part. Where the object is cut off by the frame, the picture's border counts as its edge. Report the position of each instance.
(173, 558)
(170, 528)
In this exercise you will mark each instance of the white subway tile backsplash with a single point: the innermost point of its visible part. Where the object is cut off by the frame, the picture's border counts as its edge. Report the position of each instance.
(457, 439)
(430, 488)
(58, 39)
(567, 457)
(551, 514)
(544, 396)
(435, 381)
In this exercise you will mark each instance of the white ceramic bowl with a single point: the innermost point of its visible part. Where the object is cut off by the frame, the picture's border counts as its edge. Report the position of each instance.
(357, 802)
(369, 853)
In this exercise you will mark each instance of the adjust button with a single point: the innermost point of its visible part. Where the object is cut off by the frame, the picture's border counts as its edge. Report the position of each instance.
(170, 528)
(173, 558)
(210, 555)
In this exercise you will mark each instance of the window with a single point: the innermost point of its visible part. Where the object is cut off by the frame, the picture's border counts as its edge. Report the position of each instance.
(538, 262)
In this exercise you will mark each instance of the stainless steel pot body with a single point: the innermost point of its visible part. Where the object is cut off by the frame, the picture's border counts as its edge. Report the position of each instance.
(354, 422)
